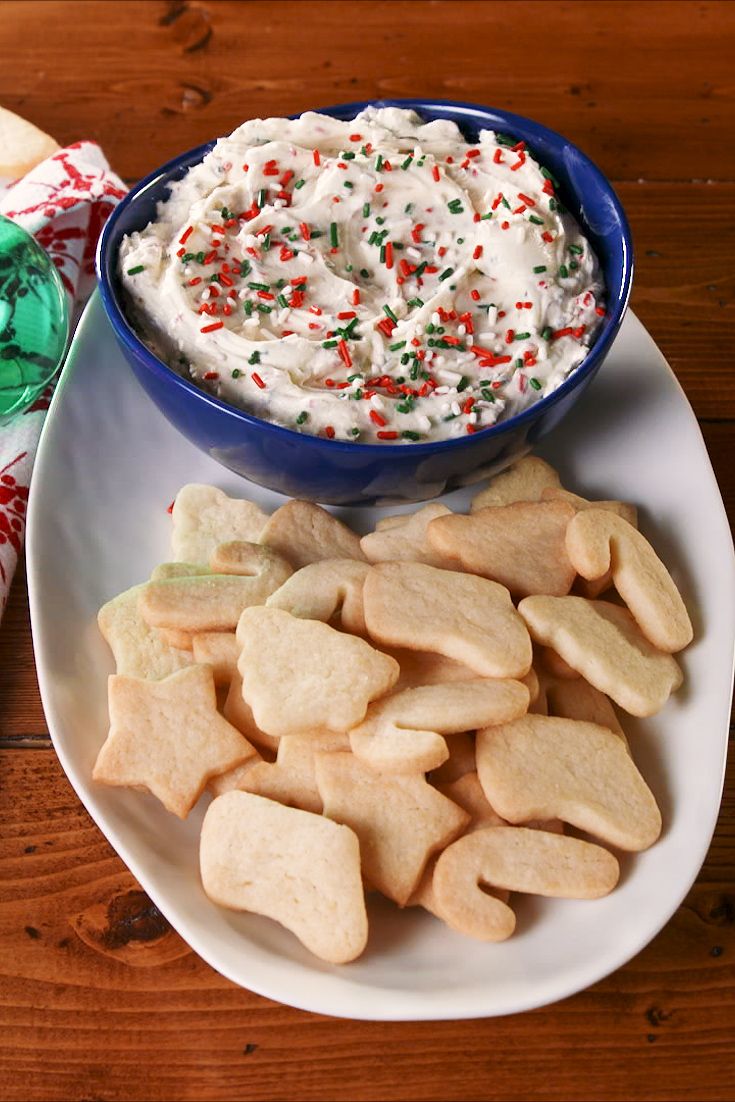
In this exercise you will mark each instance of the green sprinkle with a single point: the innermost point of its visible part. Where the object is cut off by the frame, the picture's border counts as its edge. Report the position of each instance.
(261, 198)
(536, 220)
(364, 273)
(354, 432)
(455, 206)
(484, 217)
(547, 333)
(374, 238)
(407, 162)
(351, 378)
(397, 346)
(280, 283)
(407, 434)
(518, 363)
(379, 163)
(535, 384)
(506, 203)
(254, 358)
(303, 416)
(431, 342)
(350, 327)
(244, 269)
(539, 268)
(248, 307)
(136, 269)
(460, 240)
(563, 271)
(576, 249)
(503, 139)
(348, 183)
(408, 208)
(380, 220)
(405, 358)
(573, 265)
(348, 267)
(282, 302)
(333, 235)
(405, 407)
(463, 383)
(415, 302)
(549, 176)
(414, 372)
(382, 254)
(421, 269)
(521, 336)
(387, 310)
(298, 185)
(446, 274)
(347, 156)
(266, 243)
(449, 417)
(316, 233)
(259, 286)
(430, 327)
(358, 394)
(487, 395)
(187, 257)
(329, 344)
(263, 308)
(236, 373)
(366, 210)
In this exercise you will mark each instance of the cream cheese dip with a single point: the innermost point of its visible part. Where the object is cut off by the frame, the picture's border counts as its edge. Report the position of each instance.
(373, 280)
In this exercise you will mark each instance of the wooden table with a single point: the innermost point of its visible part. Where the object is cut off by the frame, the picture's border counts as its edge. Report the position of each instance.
(100, 999)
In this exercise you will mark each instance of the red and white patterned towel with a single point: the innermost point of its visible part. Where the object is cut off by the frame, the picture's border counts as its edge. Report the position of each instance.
(64, 202)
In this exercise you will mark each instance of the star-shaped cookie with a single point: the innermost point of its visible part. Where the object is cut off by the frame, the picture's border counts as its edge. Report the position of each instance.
(167, 736)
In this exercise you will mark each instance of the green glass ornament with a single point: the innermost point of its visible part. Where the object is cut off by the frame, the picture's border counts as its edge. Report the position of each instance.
(34, 319)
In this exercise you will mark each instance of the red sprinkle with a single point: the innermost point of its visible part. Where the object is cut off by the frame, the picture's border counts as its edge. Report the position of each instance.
(525, 199)
(389, 254)
(600, 311)
(505, 225)
(211, 375)
(387, 435)
(186, 235)
(305, 231)
(379, 187)
(317, 158)
(498, 157)
(355, 137)
(547, 236)
(475, 296)
(329, 432)
(356, 293)
(198, 279)
(472, 153)
(416, 232)
(258, 381)
(477, 253)
(344, 353)
(211, 328)
(377, 419)
(435, 172)
(171, 507)
(509, 336)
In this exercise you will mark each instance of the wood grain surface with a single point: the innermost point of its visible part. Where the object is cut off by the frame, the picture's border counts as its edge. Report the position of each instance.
(99, 998)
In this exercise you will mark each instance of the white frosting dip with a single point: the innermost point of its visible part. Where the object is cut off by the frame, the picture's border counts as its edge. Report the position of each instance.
(372, 280)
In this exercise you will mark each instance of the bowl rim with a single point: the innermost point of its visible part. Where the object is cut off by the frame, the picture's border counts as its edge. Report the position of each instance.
(611, 325)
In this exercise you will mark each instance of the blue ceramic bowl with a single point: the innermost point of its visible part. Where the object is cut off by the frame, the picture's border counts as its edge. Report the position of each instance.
(334, 472)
